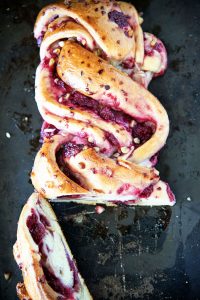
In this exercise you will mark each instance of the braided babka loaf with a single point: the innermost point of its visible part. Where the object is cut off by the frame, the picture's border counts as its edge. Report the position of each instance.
(101, 134)
(102, 128)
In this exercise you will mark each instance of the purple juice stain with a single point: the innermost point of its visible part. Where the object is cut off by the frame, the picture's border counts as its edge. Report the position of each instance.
(119, 18)
(73, 268)
(154, 159)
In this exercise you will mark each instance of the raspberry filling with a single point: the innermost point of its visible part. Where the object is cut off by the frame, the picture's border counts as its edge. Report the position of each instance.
(149, 49)
(152, 47)
(68, 150)
(119, 18)
(36, 225)
(122, 21)
(142, 131)
(39, 228)
(77, 99)
(72, 149)
(67, 96)
(47, 131)
(147, 192)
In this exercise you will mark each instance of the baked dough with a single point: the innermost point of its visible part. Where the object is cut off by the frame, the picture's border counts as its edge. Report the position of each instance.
(42, 253)
(101, 179)
(91, 90)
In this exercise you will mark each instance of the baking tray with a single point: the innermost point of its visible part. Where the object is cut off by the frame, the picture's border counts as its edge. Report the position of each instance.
(124, 253)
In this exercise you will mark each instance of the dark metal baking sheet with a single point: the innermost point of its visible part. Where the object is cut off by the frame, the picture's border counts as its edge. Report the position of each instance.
(124, 253)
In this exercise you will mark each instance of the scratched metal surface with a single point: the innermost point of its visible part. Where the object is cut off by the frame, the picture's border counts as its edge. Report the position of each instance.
(124, 253)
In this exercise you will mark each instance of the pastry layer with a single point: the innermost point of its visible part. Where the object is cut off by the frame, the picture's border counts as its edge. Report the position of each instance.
(103, 129)
(42, 253)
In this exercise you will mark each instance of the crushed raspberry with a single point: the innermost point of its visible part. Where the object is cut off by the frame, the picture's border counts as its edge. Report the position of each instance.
(147, 192)
(36, 227)
(84, 101)
(123, 188)
(112, 139)
(57, 285)
(47, 131)
(142, 131)
(128, 63)
(119, 18)
(72, 149)
(158, 47)
(105, 112)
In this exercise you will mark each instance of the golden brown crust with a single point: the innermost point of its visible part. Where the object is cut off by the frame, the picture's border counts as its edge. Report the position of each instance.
(82, 41)
(48, 105)
(53, 183)
(94, 17)
(103, 175)
(62, 28)
(97, 173)
(130, 10)
(115, 88)
(22, 292)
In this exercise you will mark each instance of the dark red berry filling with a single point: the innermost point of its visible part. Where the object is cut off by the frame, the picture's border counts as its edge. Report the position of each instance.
(72, 149)
(128, 63)
(112, 139)
(73, 99)
(143, 131)
(47, 131)
(119, 18)
(105, 112)
(38, 227)
(60, 159)
(123, 188)
(146, 192)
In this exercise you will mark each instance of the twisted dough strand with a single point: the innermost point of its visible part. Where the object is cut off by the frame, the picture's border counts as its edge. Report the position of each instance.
(92, 53)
